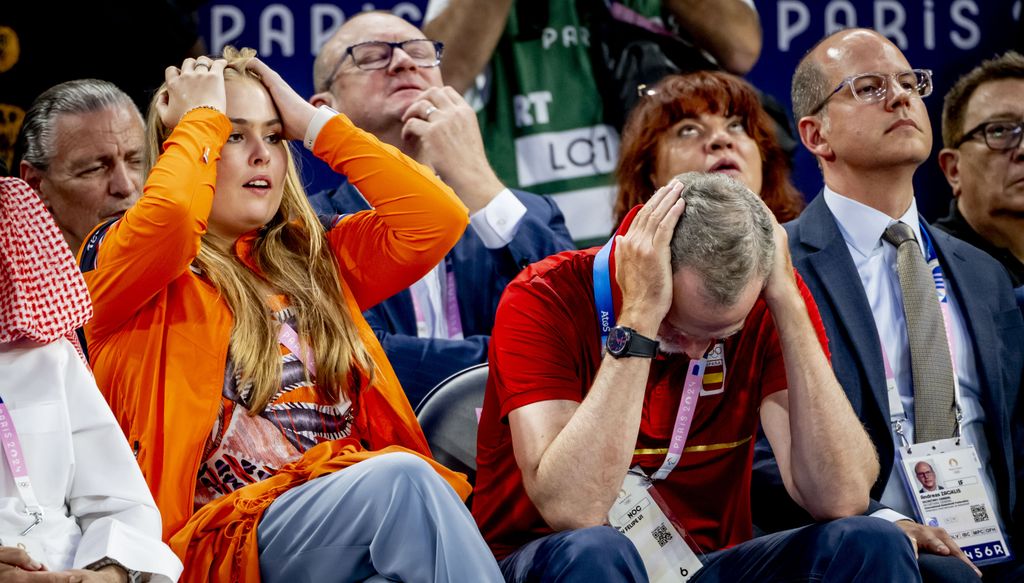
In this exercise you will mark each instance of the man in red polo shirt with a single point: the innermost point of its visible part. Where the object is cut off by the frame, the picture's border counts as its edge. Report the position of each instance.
(663, 352)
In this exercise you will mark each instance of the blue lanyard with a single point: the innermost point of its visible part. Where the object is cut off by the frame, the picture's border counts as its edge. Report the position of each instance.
(603, 291)
(932, 260)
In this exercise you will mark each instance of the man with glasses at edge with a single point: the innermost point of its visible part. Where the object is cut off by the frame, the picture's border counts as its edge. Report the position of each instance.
(379, 71)
(925, 352)
(982, 158)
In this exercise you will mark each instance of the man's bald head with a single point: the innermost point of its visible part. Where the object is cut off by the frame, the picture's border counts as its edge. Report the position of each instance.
(812, 81)
(375, 99)
(859, 136)
(355, 30)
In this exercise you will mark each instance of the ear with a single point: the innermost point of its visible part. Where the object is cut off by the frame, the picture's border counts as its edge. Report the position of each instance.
(949, 161)
(813, 138)
(323, 98)
(34, 177)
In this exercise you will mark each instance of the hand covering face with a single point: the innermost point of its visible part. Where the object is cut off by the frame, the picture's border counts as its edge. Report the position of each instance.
(42, 294)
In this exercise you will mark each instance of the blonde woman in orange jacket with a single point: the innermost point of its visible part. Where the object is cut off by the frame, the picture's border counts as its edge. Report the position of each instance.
(229, 343)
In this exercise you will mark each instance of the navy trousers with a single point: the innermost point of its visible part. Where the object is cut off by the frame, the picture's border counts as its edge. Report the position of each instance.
(856, 549)
(1010, 572)
(592, 555)
(859, 548)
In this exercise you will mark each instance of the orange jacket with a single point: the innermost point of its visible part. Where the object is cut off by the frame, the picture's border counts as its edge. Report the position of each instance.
(159, 338)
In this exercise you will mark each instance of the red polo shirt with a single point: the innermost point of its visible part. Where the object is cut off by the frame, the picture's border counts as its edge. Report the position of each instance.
(546, 346)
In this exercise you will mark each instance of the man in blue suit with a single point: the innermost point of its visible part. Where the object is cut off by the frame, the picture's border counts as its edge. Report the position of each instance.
(380, 71)
(860, 111)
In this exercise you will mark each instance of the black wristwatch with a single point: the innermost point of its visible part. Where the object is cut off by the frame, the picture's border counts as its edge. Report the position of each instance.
(623, 342)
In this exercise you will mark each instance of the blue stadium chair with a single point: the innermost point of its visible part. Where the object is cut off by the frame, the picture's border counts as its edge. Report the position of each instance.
(447, 415)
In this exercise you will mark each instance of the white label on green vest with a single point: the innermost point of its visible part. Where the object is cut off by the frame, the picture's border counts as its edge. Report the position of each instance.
(588, 212)
(568, 154)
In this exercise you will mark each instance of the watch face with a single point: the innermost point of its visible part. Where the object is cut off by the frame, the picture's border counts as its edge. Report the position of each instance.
(618, 340)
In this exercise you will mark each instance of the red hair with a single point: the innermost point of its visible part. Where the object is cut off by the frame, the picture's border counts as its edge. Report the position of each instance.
(681, 96)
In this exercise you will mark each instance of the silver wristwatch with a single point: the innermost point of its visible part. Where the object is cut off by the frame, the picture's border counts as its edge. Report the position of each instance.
(133, 576)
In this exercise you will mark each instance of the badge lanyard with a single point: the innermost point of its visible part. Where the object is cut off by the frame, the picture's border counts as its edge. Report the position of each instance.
(694, 372)
(603, 291)
(450, 308)
(16, 461)
(289, 338)
(897, 414)
(684, 416)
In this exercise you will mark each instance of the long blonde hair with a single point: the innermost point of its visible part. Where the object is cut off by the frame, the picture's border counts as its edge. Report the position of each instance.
(291, 256)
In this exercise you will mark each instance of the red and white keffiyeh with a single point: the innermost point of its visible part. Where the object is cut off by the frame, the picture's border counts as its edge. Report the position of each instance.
(42, 294)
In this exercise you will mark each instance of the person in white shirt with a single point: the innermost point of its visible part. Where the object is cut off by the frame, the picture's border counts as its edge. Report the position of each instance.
(860, 110)
(73, 503)
(382, 73)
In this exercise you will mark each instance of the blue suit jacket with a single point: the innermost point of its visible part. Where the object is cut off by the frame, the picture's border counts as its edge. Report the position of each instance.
(994, 323)
(481, 275)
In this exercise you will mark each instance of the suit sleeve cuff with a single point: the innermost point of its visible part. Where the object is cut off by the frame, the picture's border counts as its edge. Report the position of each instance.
(496, 223)
(890, 515)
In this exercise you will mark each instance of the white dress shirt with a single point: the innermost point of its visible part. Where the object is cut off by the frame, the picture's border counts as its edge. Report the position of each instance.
(862, 227)
(496, 225)
(95, 501)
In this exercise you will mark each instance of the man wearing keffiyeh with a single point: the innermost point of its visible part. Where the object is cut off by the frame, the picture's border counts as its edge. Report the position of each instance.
(42, 294)
(83, 512)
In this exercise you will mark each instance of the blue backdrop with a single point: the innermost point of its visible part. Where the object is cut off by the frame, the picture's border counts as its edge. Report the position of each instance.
(948, 37)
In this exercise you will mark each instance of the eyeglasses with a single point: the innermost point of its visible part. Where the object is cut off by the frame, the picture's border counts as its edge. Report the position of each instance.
(998, 135)
(377, 54)
(873, 87)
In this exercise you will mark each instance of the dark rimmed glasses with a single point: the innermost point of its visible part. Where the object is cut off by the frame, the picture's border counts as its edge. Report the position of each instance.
(874, 87)
(377, 54)
(998, 135)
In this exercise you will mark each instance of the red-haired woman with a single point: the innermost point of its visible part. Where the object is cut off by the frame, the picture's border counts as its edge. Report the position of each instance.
(705, 122)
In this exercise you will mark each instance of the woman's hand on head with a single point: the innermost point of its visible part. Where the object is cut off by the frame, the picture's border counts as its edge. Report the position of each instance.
(199, 82)
(295, 111)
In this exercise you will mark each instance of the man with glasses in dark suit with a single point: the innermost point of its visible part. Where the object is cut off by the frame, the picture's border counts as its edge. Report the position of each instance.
(982, 127)
(381, 72)
(923, 329)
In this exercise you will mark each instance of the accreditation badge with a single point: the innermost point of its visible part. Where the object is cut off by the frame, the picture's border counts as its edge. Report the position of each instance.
(639, 513)
(943, 478)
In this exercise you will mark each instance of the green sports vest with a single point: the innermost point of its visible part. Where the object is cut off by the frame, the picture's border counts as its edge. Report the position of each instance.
(541, 113)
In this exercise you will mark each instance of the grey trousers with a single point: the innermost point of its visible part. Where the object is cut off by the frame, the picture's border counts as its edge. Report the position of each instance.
(391, 517)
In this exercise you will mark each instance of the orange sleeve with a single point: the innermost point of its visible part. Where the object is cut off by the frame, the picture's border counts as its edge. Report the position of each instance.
(157, 239)
(416, 218)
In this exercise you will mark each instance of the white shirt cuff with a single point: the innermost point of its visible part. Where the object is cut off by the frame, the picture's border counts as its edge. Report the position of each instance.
(890, 515)
(323, 115)
(134, 548)
(496, 223)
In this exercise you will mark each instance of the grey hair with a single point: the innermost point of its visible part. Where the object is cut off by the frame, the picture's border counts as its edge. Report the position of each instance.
(725, 235)
(36, 138)
(323, 65)
(810, 84)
